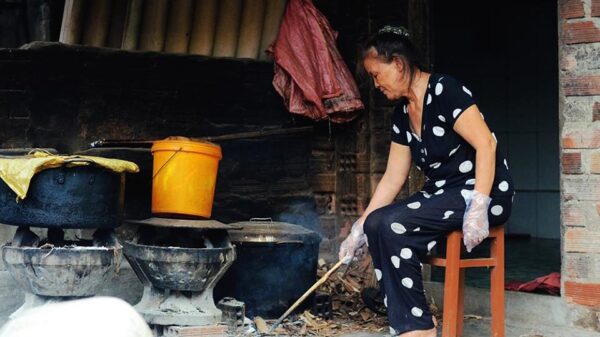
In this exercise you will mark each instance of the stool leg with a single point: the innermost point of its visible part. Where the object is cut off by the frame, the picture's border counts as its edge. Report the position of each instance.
(497, 286)
(451, 286)
(460, 311)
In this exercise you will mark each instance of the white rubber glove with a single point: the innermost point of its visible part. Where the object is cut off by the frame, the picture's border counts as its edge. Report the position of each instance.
(476, 226)
(353, 241)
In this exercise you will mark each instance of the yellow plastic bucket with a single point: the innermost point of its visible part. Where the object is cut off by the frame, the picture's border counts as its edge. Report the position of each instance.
(184, 177)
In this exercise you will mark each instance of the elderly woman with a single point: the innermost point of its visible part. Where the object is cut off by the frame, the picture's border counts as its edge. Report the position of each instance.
(436, 125)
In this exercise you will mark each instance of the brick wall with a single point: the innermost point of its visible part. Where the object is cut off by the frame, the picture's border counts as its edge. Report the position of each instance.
(579, 48)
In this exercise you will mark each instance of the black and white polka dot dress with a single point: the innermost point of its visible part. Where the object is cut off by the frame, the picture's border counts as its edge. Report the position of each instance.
(400, 234)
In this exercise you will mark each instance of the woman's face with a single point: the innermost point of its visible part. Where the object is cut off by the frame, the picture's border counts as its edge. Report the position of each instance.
(389, 77)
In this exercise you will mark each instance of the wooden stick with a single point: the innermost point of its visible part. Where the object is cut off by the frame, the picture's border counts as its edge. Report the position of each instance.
(257, 134)
(233, 136)
(307, 293)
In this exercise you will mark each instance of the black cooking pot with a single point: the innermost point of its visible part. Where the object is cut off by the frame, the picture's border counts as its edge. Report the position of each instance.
(276, 263)
(67, 197)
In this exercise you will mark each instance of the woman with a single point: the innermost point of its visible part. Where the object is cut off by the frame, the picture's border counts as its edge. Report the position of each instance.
(437, 124)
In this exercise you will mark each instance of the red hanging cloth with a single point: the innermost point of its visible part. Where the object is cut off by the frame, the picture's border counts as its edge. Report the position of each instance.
(310, 73)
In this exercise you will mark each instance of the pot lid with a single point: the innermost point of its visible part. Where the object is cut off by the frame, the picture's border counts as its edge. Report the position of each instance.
(183, 223)
(265, 230)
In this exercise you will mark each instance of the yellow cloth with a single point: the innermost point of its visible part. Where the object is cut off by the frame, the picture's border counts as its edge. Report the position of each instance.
(17, 172)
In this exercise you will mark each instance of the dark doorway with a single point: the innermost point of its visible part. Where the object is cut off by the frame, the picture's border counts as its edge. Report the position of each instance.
(507, 53)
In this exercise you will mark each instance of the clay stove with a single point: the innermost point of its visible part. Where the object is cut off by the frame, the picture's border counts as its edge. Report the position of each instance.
(55, 270)
(179, 262)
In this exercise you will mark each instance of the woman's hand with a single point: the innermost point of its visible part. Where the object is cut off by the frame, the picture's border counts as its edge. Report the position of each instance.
(353, 241)
(476, 226)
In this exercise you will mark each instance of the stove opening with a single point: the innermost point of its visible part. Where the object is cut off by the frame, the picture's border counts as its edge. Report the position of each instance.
(182, 237)
(55, 237)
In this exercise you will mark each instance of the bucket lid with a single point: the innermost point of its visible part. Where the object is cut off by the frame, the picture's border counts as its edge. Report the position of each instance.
(268, 231)
(187, 145)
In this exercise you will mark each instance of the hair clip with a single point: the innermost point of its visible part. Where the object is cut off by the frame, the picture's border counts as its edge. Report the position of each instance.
(394, 30)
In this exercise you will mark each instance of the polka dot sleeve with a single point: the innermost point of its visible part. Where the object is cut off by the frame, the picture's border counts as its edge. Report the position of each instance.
(455, 97)
(399, 130)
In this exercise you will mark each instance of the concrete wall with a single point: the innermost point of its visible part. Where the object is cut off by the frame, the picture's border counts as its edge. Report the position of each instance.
(579, 50)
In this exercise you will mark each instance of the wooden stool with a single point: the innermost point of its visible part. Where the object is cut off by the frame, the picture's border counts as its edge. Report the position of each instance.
(454, 285)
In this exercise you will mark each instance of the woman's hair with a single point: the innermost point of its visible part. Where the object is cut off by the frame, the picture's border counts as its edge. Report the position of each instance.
(394, 43)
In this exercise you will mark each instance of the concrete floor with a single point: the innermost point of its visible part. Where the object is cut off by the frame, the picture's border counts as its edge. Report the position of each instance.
(480, 328)
(526, 315)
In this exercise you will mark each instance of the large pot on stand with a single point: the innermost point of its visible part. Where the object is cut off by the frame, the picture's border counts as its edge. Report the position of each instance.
(276, 263)
(67, 197)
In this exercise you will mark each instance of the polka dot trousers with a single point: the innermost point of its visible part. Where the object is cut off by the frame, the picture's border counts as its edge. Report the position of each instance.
(400, 234)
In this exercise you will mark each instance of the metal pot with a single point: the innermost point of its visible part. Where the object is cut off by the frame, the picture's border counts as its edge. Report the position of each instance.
(276, 263)
(67, 197)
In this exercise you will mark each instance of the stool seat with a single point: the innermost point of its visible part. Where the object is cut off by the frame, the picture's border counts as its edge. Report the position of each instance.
(454, 284)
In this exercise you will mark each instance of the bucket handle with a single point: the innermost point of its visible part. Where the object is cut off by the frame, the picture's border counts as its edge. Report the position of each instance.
(166, 162)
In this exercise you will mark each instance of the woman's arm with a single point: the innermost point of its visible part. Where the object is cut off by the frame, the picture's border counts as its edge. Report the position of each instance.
(393, 179)
(471, 126)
